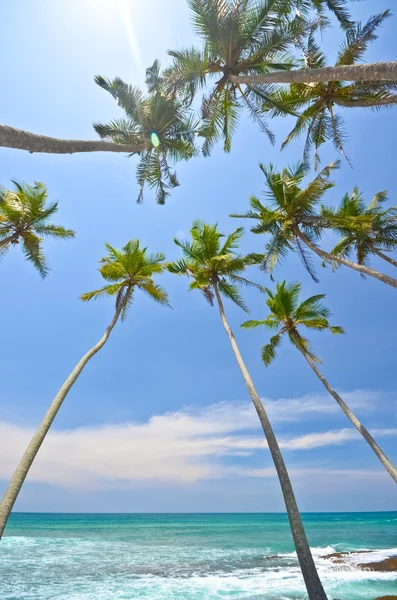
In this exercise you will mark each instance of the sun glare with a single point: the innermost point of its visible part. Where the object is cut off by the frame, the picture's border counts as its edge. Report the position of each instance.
(127, 17)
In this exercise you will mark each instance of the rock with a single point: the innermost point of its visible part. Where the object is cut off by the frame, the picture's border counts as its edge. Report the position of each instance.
(340, 555)
(387, 565)
(387, 598)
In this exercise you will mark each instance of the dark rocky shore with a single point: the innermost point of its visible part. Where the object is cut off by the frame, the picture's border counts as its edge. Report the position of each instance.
(385, 566)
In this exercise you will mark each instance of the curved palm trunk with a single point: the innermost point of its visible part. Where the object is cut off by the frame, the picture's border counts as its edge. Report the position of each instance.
(365, 103)
(385, 257)
(314, 586)
(20, 473)
(24, 140)
(381, 71)
(347, 263)
(390, 468)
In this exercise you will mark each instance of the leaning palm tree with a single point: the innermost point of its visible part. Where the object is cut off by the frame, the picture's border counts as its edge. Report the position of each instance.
(211, 261)
(367, 230)
(163, 124)
(25, 218)
(317, 101)
(244, 44)
(293, 222)
(288, 316)
(238, 37)
(124, 271)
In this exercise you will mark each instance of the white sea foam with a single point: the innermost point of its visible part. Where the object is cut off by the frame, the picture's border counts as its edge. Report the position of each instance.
(366, 556)
(99, 569)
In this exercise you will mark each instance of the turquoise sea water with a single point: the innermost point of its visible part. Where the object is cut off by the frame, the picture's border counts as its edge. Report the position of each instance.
(189, 557)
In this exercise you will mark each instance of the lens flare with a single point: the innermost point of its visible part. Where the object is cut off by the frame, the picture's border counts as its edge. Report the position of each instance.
(154, 138)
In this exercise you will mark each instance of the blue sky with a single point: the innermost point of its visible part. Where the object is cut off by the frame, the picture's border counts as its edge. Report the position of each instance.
(160, 419)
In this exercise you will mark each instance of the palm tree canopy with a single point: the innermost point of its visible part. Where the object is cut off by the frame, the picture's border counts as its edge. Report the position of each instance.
(289, 207)
(165, 124)
(288, 316)
(365, 229)
(210, 259)
(25, 216)
(317, 101)
(126, 269)
(239, 37)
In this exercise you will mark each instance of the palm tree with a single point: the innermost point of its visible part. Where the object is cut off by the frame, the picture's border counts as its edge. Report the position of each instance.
(160, 127)
(367, 230)
(239, 37)
(25, 218)
(292, 220)
(287, 316)
(318, 119)
(244, 44)
(162, 122)
(123, 271)
(211, 261)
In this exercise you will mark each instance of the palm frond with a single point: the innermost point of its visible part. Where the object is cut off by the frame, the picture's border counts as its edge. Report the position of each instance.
(358, 37)
(31, 246)
(271, 322)
(269, 351)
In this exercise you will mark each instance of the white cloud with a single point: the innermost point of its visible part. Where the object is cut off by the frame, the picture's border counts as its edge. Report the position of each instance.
(330, 438)
(321, 474)
(181, 447)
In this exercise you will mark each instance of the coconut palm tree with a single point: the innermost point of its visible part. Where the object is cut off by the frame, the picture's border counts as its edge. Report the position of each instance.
(288, 316)
(25, 218)
(163, 123)
(367, 230)
(124, 271)
(159, 127)
(211, 262)
(317, 101)
(293, 222)
(244, 44)
(238, 37)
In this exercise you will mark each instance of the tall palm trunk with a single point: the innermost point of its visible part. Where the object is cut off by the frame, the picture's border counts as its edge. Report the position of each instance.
(390, 468)
(382, 71)
(32, 142)
(385, 257)
(364, 103)
(314, 586)
(347, 263)
(20, 473)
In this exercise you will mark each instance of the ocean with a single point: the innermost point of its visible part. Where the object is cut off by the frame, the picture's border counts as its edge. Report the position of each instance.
(188, 556)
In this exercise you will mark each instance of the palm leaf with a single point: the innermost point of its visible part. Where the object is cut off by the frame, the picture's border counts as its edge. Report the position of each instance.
(269, 351)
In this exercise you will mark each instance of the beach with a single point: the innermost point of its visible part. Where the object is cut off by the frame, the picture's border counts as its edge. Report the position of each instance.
(191, 556)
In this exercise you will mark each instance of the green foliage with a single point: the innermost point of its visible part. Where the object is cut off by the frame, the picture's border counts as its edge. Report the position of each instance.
(288, 316)
(321, 8)
(366, 230)
(210, 260)
(239, 37)
(289, 210)
(126, 269)
(170, 120)
(25, 218)
(317, 101)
